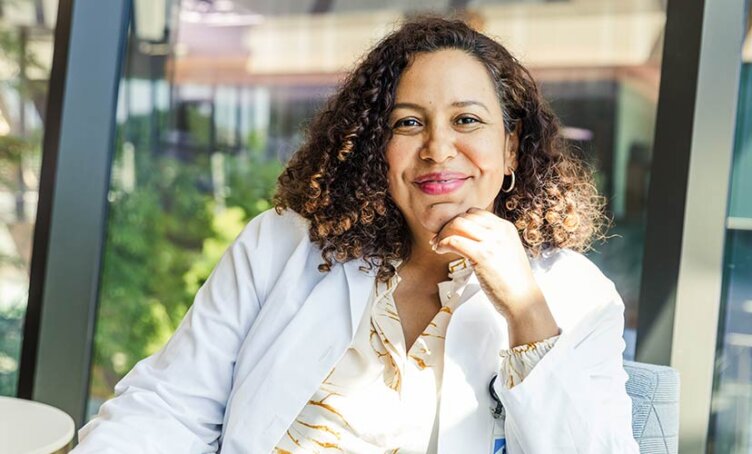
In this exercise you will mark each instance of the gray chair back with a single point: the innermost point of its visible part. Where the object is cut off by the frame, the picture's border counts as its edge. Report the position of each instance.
(655, 407)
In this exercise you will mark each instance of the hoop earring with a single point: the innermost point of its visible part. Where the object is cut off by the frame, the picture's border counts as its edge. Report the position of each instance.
(511, 186)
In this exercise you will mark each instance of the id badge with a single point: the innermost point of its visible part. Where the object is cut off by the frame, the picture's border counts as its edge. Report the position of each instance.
(499, 444)
(498, 439)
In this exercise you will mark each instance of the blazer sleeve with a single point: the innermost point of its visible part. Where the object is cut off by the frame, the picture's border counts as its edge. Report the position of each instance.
(574, 400)
(174, 400)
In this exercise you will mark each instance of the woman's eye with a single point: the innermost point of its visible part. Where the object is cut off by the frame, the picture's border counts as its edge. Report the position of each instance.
(467, 120)
(406, 123)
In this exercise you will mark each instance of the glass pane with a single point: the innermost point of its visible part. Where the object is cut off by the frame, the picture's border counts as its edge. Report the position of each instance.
(213, 101)
(26, 40)
(731, 417)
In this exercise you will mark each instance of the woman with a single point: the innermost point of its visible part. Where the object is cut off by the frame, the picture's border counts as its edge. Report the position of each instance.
(416, 290)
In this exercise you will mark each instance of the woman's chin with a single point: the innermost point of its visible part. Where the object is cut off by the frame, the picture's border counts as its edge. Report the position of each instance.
(435, 217)
(434, 221)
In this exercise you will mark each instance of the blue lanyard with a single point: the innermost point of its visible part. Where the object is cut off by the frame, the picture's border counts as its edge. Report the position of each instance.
(499, 442)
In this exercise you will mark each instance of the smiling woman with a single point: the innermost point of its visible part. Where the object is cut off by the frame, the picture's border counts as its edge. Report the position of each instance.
(431, 90)
(449, 153)
(449, 150)
(418, 270)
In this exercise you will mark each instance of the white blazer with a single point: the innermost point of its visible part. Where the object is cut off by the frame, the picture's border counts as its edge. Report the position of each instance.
(267, 327)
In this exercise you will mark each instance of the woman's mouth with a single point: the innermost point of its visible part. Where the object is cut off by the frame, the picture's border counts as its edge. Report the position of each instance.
(440, 182)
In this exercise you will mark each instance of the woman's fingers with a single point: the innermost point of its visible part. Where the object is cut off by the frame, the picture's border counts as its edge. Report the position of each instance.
(477, 224)
(466, 247)
(460, 225)
(484, 218)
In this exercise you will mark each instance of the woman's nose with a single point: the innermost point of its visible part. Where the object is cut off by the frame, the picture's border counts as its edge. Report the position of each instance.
(439, 146)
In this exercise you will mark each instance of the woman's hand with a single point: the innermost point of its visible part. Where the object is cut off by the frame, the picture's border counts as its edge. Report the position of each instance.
(493, 247)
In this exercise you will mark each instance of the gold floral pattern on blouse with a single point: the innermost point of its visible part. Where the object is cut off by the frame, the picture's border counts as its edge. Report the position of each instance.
(519, 361)
(380, 397)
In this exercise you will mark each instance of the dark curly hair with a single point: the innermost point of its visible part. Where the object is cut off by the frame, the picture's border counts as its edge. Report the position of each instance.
(338, 178)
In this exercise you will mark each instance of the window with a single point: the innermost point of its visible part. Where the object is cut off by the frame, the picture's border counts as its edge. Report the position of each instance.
(26, 41)
(731, 417)
(215, 95)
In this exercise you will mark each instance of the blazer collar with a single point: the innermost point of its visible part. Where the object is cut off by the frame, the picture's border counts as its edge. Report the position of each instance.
(360, 286)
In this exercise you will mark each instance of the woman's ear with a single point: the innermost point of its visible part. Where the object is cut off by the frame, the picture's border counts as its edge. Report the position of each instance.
(512, 147)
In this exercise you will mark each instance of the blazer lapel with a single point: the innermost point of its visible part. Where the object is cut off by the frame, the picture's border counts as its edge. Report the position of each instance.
(307, 346)
(474, 337)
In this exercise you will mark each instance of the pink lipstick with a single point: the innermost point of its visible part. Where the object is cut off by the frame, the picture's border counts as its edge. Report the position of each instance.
(438, 183)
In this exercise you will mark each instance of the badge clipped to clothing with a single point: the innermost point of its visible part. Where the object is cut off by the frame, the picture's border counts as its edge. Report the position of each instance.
(499, 446)
(499, 441)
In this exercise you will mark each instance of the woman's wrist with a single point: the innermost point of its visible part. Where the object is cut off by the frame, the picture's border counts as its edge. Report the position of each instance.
(530, 320)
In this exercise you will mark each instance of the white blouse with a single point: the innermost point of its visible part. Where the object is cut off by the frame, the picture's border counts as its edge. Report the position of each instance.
(382, 397)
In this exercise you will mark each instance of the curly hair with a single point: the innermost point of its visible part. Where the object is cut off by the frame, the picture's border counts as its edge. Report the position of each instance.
(337, 180)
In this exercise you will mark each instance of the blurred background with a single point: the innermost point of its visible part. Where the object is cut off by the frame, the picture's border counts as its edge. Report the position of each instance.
(213, 99)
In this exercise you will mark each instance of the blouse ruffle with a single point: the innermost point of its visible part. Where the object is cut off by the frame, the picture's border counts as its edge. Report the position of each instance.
(519, 361)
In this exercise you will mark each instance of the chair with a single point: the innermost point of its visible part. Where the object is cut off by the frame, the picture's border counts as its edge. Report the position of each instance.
(654, 391)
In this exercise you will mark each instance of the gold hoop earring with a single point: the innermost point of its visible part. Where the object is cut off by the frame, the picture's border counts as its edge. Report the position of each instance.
(511, 186)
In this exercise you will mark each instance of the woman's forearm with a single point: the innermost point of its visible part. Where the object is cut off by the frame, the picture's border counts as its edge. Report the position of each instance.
(531, 321)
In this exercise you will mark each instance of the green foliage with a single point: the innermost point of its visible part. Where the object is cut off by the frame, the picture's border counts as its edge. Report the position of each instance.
(14, 51)
(252, 180)
(12, 148)
(164, 239)
(11, 325)
(227, 226)
(154, 236)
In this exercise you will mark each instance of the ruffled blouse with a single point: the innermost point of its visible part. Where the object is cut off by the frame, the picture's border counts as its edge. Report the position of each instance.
(382, 397)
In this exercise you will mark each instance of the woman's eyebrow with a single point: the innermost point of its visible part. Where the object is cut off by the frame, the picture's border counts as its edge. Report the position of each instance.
(410, 105)
(470, 103)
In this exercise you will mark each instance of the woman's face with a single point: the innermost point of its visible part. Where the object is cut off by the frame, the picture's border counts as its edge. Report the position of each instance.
(449, 151)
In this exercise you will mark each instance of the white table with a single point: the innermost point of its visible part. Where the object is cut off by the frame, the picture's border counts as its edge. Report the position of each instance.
(28, 427)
